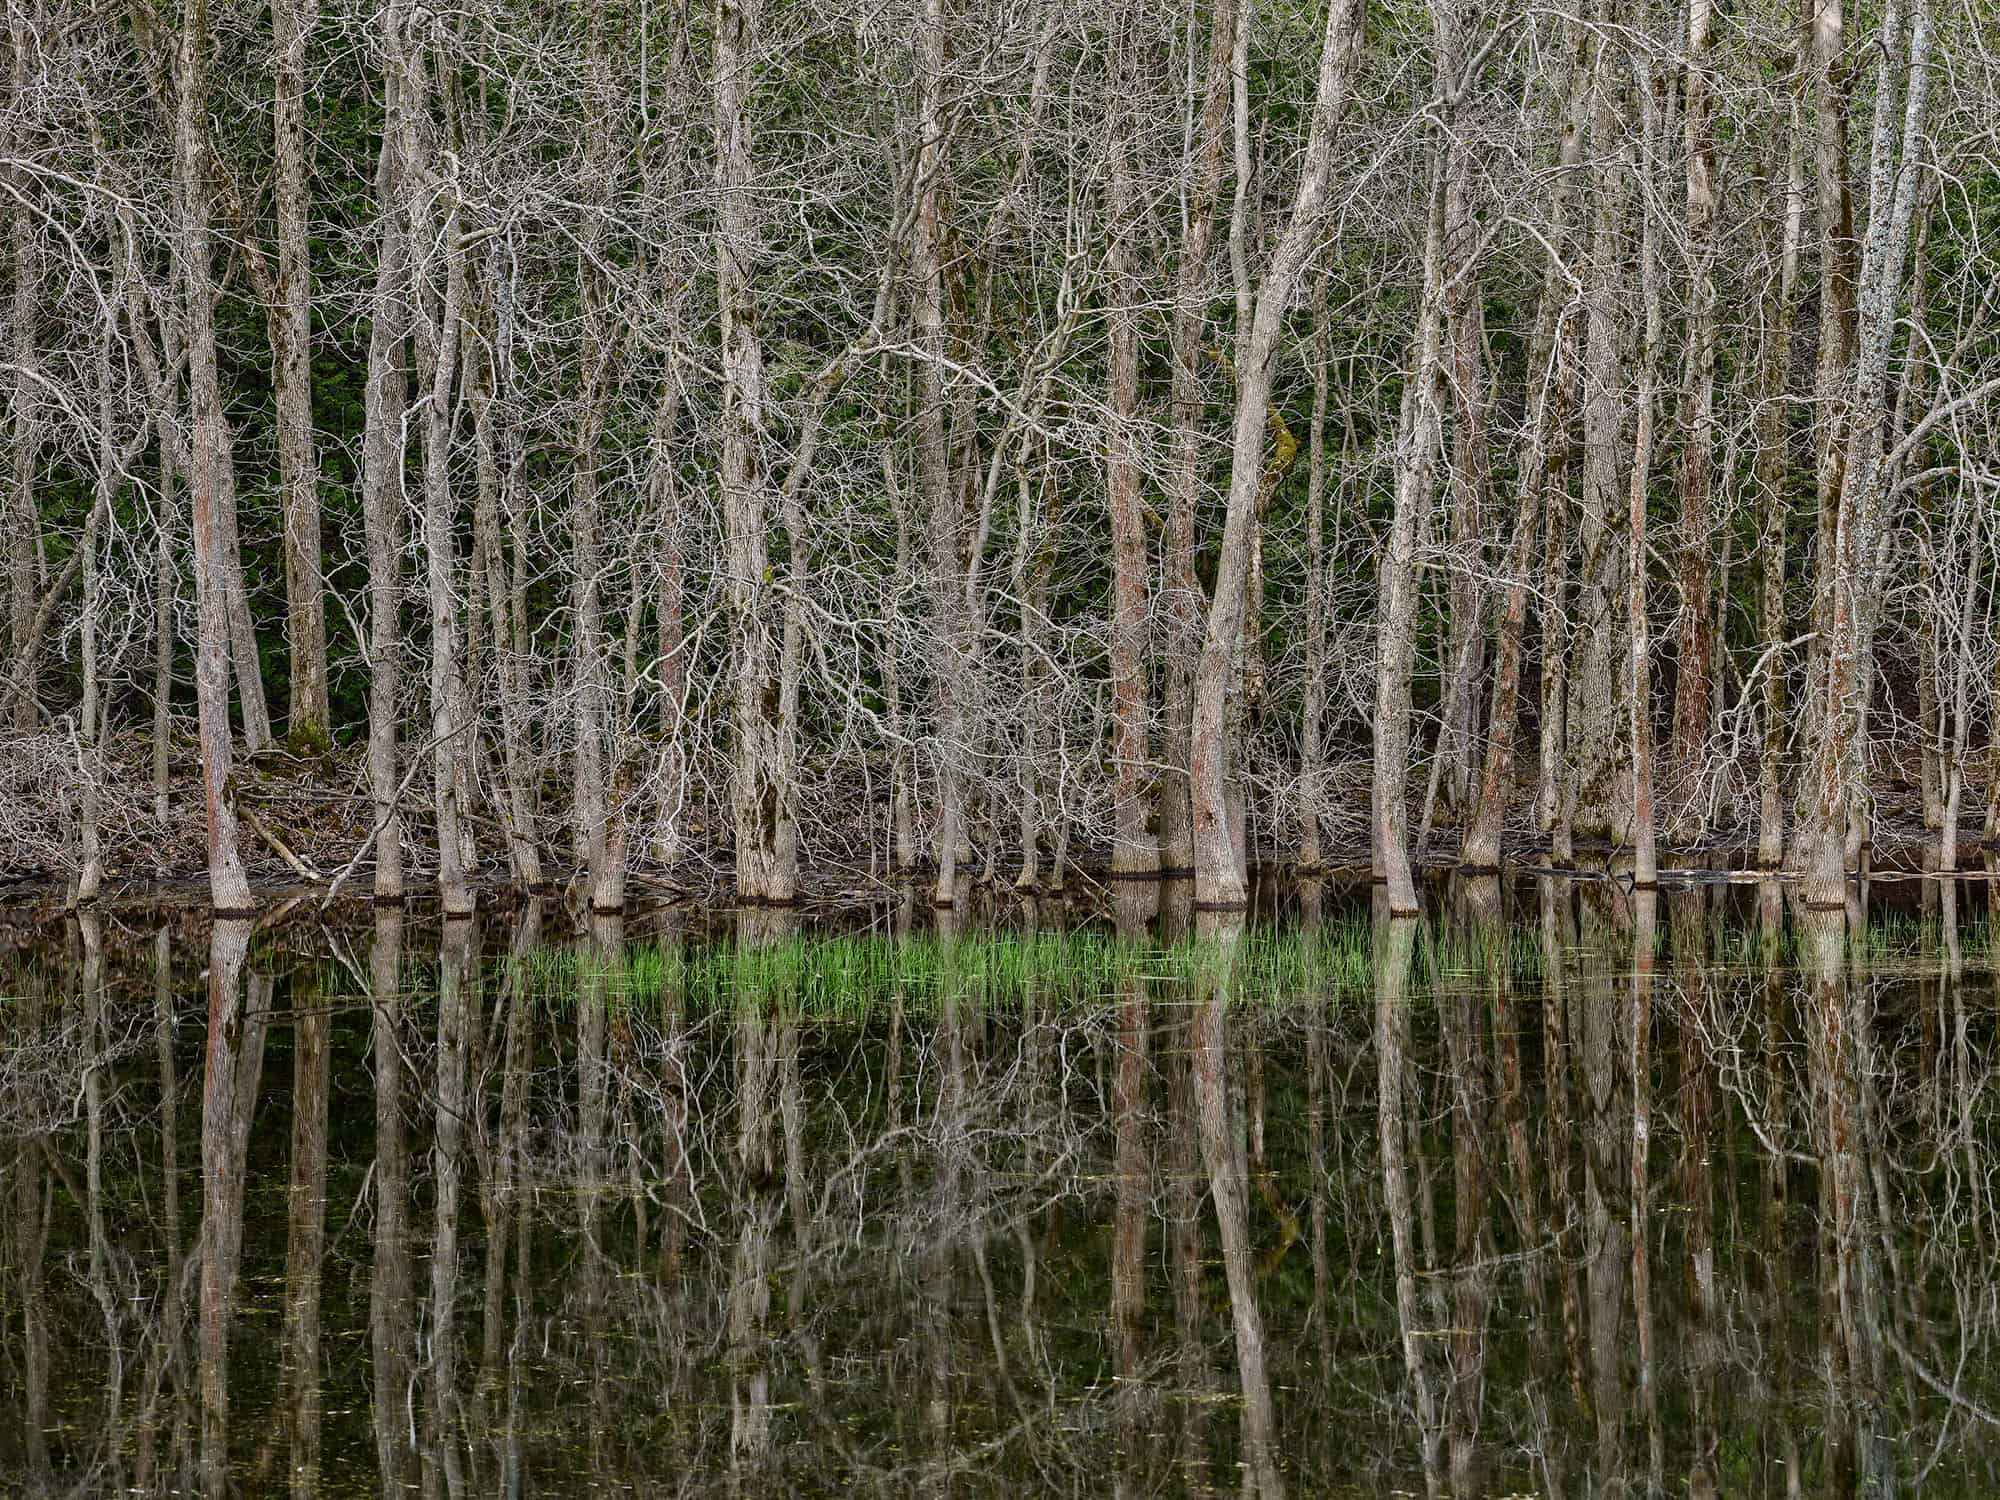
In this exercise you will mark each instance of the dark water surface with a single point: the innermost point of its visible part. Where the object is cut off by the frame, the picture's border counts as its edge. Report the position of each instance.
(1561, 1191)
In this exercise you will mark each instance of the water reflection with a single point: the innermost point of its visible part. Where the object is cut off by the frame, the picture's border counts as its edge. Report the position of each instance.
(1572, 1191)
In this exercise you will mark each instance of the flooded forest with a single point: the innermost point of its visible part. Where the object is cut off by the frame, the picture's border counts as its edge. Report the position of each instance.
(983, 747)
(628, 445)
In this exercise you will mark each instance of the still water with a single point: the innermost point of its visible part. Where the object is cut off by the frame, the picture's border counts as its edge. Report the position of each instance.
(1557, 1191)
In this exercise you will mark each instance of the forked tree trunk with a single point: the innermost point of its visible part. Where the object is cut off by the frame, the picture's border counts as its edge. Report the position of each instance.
(1220, 879)
(1838, 770)
(1541, 469)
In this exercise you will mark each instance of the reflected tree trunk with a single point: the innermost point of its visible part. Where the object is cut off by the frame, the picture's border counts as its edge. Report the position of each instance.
(234, 1061)
(1394, 942)
(391, 1293)
(1221, 1126)
(306, 1235)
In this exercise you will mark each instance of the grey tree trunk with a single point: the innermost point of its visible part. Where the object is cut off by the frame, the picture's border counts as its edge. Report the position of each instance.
(1132, 849)
(1694, 690)
(292, 23)
(1180, 590)
(1418, 442)
(1650, 86)
(386, 400)
(23, 514)
(1601, 797)
(1847, 578)
(1772, 430)
(229, 889)
(766, 847)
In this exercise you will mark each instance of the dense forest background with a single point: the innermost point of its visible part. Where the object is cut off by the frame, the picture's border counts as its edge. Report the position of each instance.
(613, 434)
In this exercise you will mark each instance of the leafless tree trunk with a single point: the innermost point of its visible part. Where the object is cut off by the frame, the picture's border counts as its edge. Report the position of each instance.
(229, 890)
(292, 23)
(1180, 590)
(1838, 770)
(1693, 688)
(1773, 427)
(1132, 851)
(1417, 449)
(1601, 794)
(23, 513)
(766, 841)
(1650, 85)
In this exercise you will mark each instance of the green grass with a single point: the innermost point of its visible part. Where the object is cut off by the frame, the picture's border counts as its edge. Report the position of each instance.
(851, 976)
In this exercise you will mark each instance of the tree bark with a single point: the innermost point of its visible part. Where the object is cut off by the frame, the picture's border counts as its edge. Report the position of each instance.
(1694, 690)
(766, 848)
(1132, 849)
(1180, 589)
(1839, 772)
(386, 400)
(308, 717)
(229, 889)
(1772, 434)
(1418, 442)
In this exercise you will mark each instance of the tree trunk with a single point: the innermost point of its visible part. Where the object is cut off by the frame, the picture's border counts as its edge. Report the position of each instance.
(1650, 85)
(1132, 849)
(1839, 771)
(1600, 799)
(766, 858)
(1418, 441)
(229, 889)
(23, 513)
(1312, 717)
(386, 401)
(292, 23)
(1773, 429)
(1694, 691)
(440, 310)
(1180, 590)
